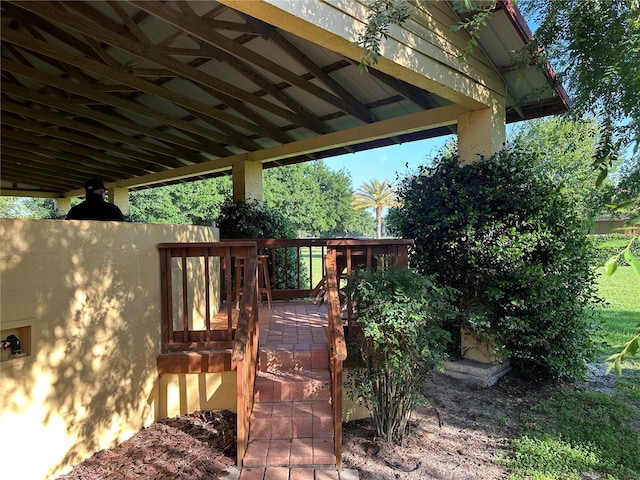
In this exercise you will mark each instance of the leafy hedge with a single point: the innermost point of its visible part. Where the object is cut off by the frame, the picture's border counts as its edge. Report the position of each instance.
(401, 342)
(607, 245)
(507, 239)
(250, 219)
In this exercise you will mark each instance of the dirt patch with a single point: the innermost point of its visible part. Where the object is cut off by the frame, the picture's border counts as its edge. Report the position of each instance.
(458, 436)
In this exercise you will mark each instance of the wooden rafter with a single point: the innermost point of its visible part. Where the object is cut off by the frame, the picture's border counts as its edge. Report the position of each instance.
(144, 93)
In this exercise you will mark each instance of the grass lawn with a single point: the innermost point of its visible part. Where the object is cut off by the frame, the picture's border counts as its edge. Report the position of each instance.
(578, 434)
(621, 313)
(316, 262)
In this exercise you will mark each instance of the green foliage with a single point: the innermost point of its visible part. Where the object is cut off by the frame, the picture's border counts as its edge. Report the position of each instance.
(596, 46)
(627, 198)
(630, 348)
(574, 433)
(499, 233)
(609, 245)
(251, 219)
(564, 150)
(188, 203)
(315, 199)
(400, 313)
(17, 207)
(381, 14)
(476, 14)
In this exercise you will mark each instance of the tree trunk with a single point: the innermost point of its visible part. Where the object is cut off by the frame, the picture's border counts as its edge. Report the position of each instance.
(378, 222)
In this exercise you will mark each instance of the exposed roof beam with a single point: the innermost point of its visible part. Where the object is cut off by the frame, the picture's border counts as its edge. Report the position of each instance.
(131, 157)
(163, 156)
(199, 28)
(153, 54)
(119, 75)
(124, 104)
(426, 120)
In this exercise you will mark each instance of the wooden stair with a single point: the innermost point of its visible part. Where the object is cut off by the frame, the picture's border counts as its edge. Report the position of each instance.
(291, 427)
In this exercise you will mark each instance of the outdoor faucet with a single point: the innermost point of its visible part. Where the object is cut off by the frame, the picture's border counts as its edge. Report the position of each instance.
(12, 342)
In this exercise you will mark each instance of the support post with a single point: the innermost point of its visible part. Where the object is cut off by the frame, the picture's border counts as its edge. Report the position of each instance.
(481, 133)
(120, 197)
(63, 205)
(247, 181)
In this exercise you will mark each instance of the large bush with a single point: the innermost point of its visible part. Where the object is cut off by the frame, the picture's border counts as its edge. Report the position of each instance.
(401, 341)
(510, 242)
(250, 219)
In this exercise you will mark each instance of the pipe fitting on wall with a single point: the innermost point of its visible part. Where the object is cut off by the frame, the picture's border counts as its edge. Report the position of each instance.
(12, 342)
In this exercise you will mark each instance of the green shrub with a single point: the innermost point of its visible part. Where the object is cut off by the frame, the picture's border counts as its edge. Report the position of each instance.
(401, 341)
(251, 219)
(603, 252)
(507, 239)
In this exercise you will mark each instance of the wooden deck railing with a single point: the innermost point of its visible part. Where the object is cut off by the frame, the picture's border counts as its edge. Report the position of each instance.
(294, 274)
(205, 272)
(197, 293)
(245, 355)
(197, 280)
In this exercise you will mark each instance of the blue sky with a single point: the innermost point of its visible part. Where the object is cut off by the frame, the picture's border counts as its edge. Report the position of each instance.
(383, 163)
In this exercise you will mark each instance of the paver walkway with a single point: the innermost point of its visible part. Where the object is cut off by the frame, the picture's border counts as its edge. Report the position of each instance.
(291, 427)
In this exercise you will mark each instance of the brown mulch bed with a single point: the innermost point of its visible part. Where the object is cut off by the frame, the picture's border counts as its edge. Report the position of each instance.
(459, 435)
(196, 446)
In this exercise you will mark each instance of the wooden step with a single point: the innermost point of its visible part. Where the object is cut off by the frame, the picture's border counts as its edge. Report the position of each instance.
(296, 452)
(290, 385)
(298, 473)
(293, 357)
(288, 420)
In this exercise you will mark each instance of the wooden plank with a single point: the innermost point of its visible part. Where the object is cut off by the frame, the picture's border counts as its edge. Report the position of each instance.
(194, 362)
(336, 400)
(165, 297)
(207, 298)
(245, 320)
(185, 295)
(336, 332)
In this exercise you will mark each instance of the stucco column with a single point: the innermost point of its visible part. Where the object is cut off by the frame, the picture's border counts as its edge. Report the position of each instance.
(63, 205)
(482, 132)
(120, 197)
(247, 181)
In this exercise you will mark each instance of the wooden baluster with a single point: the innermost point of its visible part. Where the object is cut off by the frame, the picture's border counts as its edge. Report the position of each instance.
(185, 296)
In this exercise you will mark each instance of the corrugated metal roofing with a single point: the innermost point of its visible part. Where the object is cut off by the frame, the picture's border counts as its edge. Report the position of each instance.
(105, 89)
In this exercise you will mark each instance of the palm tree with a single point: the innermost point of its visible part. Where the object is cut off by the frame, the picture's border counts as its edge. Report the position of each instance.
(376, 195)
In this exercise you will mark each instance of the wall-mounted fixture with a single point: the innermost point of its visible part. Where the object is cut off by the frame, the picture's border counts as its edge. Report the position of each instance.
(15, 342)
(12, 342)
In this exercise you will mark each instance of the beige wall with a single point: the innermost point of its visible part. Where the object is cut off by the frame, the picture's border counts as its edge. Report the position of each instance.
(84, 299)
(186, 393)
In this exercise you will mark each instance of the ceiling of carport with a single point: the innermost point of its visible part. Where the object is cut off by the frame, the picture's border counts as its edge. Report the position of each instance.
(149, 93)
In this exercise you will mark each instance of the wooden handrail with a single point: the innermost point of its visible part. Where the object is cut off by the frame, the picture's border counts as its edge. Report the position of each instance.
(244, 329)
(337, 350)
(245, 354)
(336, 329)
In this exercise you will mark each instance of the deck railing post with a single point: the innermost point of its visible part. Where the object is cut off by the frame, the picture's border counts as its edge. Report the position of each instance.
(337, 349)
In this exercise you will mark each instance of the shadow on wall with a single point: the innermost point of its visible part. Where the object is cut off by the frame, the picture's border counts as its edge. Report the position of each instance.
(88, 293)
